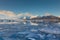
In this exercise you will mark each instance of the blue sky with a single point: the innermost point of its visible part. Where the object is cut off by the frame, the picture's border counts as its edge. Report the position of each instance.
(39, 7)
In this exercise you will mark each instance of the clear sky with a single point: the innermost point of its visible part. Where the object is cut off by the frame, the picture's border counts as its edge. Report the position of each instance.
(39, 7)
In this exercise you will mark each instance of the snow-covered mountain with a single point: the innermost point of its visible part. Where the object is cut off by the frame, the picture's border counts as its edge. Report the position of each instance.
(26, 16)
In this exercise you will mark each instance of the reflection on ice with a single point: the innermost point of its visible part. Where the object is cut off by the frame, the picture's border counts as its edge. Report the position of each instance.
(24, 22)
(33, 23)
(58, 23)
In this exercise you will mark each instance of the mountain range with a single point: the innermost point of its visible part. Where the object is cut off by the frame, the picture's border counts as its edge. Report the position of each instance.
(11, 15)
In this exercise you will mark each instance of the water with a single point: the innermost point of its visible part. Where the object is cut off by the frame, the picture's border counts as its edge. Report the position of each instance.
(30, 31)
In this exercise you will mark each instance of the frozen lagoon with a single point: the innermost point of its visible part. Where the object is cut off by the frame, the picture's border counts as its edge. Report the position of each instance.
(30, 31)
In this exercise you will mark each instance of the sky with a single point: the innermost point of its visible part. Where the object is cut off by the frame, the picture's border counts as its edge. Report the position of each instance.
(35, 7)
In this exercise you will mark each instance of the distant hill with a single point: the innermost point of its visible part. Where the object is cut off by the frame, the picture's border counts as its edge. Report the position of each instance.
(49, 18)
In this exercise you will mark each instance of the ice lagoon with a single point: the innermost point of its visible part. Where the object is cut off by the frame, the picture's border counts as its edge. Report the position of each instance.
(30, 31)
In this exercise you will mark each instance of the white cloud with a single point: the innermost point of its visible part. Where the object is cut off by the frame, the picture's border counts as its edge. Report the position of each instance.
(28, 14)
(24, 14)
(7, 14)
(19, 14)
(47, 14)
